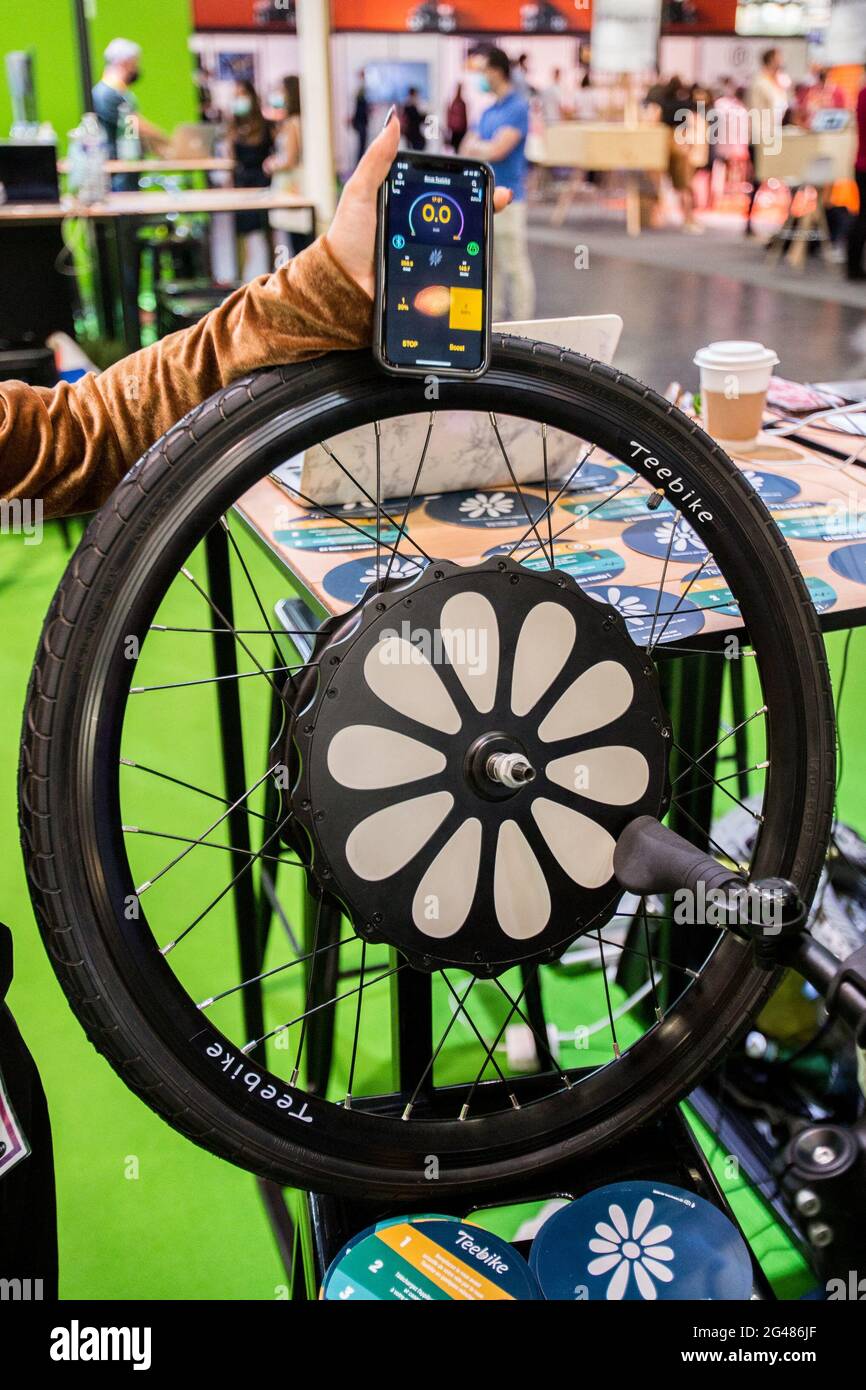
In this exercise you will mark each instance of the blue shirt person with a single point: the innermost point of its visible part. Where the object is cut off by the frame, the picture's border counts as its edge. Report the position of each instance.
(501, 142)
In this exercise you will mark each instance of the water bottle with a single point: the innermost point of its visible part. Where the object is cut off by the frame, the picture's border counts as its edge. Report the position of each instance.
(88, 151)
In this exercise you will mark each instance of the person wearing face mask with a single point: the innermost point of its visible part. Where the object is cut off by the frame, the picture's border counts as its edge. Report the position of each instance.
(115, 104)
(251, 144)
(501, 142)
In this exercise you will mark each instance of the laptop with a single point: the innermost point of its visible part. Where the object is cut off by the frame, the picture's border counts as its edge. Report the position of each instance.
(28, 172)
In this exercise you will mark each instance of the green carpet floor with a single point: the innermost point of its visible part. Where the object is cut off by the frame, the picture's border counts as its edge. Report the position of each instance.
(143, 1213)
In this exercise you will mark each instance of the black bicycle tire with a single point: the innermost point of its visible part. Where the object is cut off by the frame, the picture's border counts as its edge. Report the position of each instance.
(102, 998)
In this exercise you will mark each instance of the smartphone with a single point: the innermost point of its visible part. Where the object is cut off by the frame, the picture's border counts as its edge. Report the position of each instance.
(433, 266)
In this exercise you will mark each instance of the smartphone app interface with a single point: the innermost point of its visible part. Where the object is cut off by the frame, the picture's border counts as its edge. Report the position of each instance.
(435, 270)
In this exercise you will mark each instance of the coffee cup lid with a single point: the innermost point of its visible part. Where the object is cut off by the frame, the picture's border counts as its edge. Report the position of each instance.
(728, 355)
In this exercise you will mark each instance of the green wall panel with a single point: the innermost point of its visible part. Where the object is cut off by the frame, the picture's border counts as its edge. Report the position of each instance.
(162, 27)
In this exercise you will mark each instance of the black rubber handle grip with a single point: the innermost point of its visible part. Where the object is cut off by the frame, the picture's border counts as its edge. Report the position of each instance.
(649, 858)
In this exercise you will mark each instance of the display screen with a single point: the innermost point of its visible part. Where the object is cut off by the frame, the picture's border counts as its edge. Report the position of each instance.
(435, 266)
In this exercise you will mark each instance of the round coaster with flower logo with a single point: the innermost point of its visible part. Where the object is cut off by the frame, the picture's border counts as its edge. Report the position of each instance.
(641, 1241)
(487, 508)
(665, 538)
(418, 1260)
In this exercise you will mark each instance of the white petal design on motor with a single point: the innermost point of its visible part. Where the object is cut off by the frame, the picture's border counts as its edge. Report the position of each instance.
(616, 775)
(367, 758)
(470, 636)
(402, 676)
(520, 893)
(599, 695)
(444, 895)
(384, 843)
(543, 646)
(583, 848)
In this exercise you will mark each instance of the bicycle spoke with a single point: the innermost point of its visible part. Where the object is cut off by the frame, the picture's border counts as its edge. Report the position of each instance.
(190, 786)
(661, 586)
(243, 564)
(712, 749)
(464, 1112)
(254, 855)
(187, 574)
(659, 960)
(357, 1029)
(328, 1004)
(584, 516)
(551, 502)
(714, 844)
(243, 631)
(352, 479)
(207, 844)
(215, 680)
(649, 955)
(616, 1049)
(709, 778)
(407, 1111)
(472, 1024)
(411, 498)
(353, 526)
(309, 995)
(233, 807)
(274, 970)
(541, 1042)
(523, 502)
(669, 617)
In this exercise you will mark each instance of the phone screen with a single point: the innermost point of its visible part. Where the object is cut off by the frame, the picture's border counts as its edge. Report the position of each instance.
(435, 265)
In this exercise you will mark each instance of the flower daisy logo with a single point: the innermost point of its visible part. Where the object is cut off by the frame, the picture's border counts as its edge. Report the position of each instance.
(399, 569)
(492, 504)
(570, 810)
(630, 606)
(684, 537)
(625, 1252)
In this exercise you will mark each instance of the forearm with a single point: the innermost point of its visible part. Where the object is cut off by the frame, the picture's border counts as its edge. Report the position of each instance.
(70, 446)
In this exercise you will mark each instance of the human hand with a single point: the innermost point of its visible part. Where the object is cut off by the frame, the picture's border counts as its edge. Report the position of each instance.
(352, 234)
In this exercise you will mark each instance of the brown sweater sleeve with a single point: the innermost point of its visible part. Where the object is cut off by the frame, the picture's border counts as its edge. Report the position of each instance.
(71, 445)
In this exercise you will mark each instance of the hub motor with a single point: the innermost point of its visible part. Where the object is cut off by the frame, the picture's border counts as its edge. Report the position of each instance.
(468, 745)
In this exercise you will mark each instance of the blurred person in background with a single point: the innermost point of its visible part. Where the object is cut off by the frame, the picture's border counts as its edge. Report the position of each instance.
(285, 165)
(678, 111)
(822, 94)
(857, 230)
(250, 143)
(732, 134)
(501, 141)
(457, 119)
(115, 104)
(768, 101)
(552, 99)
(520, 76)
(360, 117)
(412, 120)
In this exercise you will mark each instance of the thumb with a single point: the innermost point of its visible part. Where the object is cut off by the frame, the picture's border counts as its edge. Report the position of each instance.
(378, 158)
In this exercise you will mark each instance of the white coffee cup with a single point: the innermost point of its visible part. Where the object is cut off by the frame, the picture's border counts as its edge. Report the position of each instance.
(735, 377)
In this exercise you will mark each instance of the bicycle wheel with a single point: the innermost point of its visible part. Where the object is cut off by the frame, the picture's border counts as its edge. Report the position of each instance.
(393, 782)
